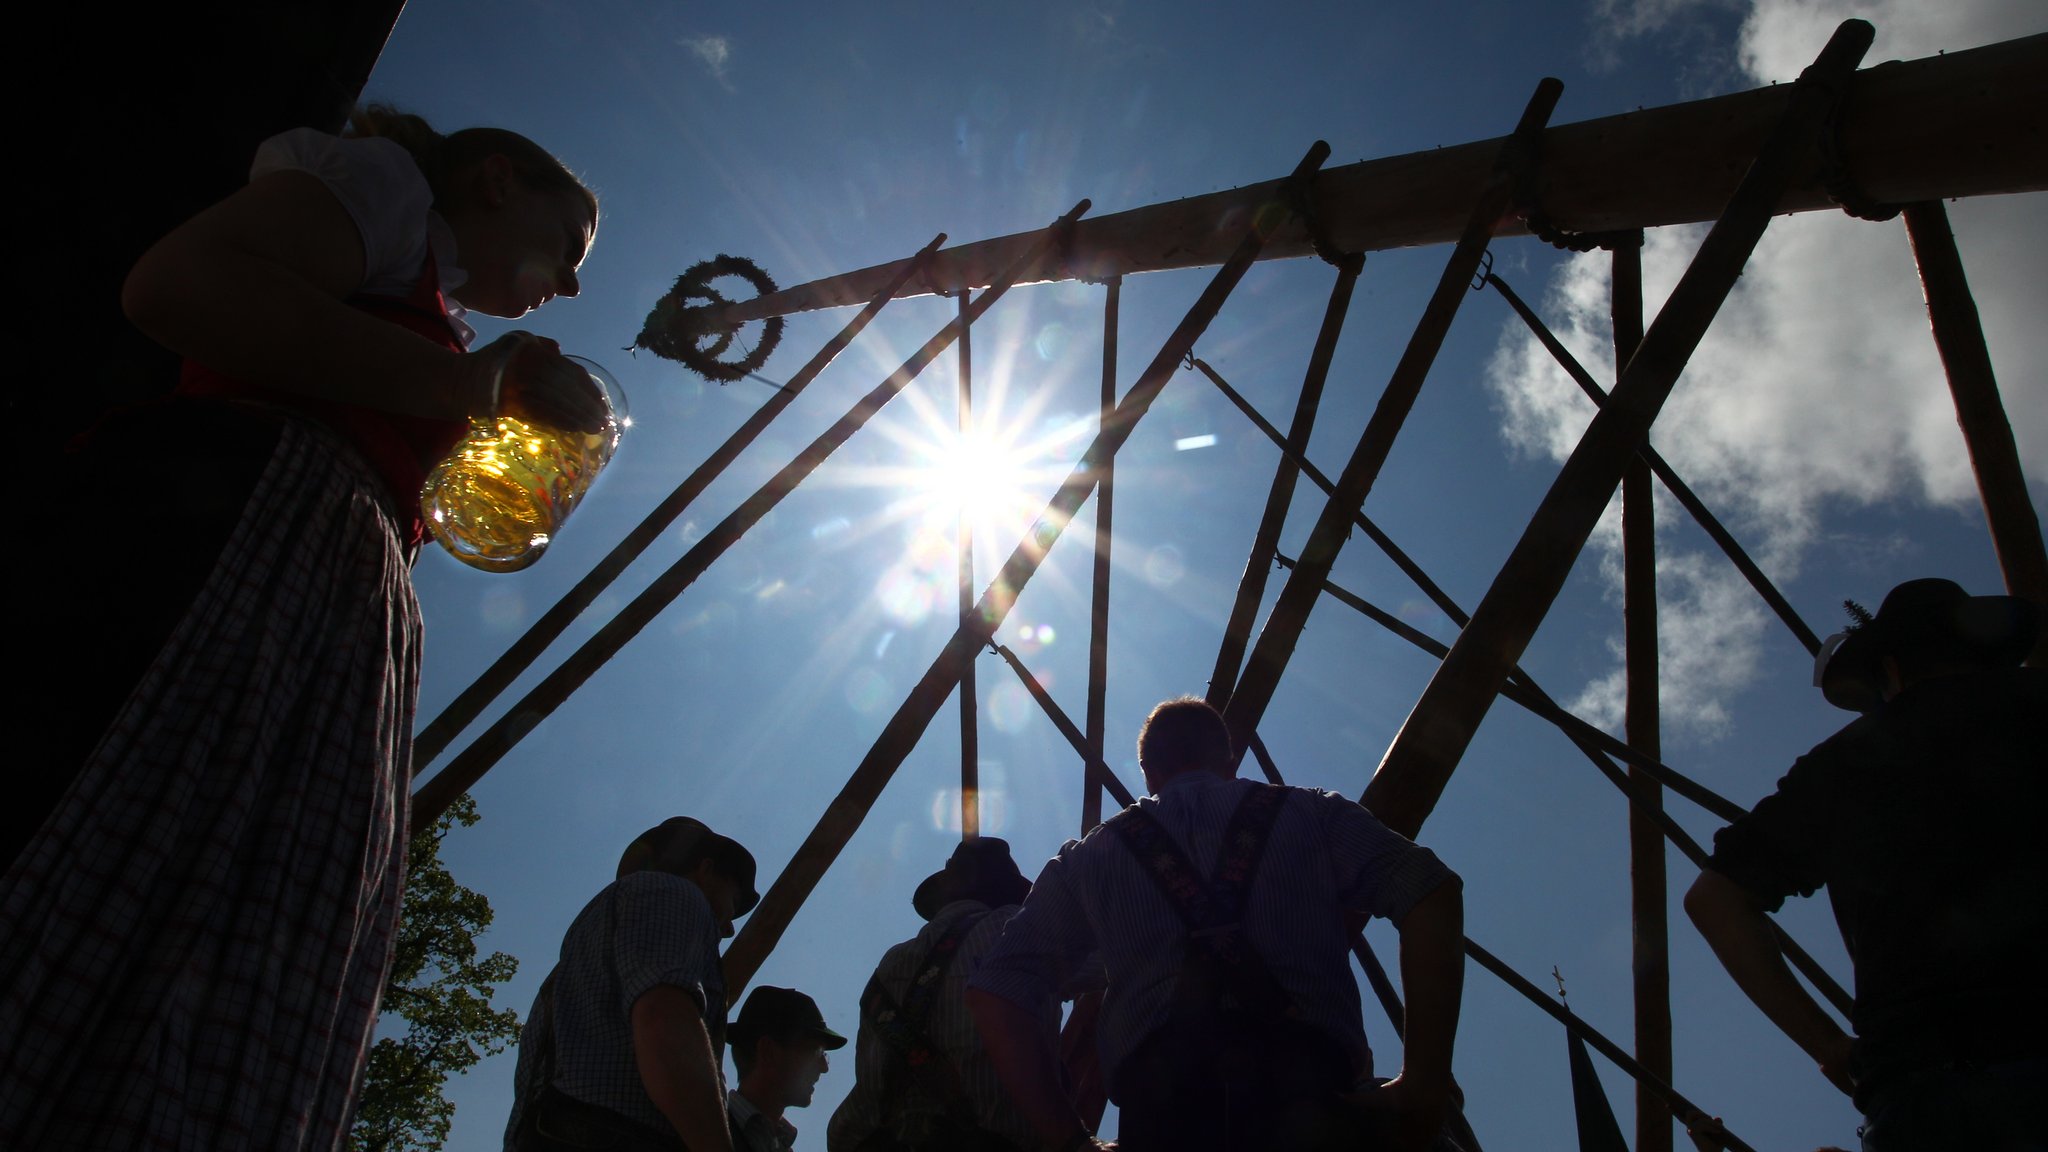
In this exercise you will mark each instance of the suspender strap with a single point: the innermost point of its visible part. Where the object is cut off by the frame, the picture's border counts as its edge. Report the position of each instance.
(1213, 910)
(1214, 905)
(903, 1027)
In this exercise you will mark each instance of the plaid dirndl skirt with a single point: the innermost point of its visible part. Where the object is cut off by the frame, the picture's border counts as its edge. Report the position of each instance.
(193, 945)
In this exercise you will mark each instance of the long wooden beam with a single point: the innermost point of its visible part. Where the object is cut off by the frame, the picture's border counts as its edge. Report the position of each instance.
(1971, 123)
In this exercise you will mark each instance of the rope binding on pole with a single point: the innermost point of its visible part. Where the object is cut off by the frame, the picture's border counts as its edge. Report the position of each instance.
(696, 335)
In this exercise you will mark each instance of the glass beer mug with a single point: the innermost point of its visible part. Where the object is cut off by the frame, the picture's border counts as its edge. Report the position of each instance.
(498, 500)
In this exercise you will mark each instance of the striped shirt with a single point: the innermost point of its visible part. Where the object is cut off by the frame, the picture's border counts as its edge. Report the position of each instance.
(1325, 858)
(951, 1029)
(646, 930)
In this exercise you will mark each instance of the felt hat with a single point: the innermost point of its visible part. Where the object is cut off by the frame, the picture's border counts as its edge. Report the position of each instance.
(771, 1011)
(1931, 616)
(680, 837)
(979, 869)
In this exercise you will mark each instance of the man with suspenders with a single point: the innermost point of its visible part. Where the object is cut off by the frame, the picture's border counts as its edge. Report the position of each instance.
(922, 1080)
(1222, 910)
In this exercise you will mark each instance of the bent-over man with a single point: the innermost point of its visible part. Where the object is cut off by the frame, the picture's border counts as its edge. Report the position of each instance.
(1223, 911)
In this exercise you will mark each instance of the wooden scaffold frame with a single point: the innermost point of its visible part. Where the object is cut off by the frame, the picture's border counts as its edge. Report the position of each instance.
(1908, 134)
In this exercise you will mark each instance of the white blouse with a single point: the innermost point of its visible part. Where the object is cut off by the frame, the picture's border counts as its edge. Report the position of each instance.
(387, 196)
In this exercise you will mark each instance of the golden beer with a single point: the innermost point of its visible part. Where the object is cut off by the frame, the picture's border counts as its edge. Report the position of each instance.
(498, 500)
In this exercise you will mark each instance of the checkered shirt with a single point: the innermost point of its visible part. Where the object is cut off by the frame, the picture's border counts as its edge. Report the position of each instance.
(646, 930)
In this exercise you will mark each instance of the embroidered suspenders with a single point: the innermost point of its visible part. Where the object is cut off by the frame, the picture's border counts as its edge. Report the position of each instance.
(1223, 973)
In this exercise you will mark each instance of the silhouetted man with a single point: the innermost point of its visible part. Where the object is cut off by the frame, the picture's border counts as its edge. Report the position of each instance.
(1222, 910)
(624, 1047)
(1924, 819)
(923, 1081)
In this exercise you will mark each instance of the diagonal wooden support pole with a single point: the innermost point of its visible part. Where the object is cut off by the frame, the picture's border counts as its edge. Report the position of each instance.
(431, 798)
(1519, 687)
(1098, 773)
(464, 709)
(843, 816)
(1668, 1098)
(1251, 586)
(2001, 483)
(1596, 745)
(1289, 617)
(1426, 751)
(1679, 489)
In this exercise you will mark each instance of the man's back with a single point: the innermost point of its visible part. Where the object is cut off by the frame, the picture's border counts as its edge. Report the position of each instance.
(882, 1082)
(1324, 857)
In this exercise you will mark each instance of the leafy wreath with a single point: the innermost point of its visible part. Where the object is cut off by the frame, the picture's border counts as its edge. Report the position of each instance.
(678, 330)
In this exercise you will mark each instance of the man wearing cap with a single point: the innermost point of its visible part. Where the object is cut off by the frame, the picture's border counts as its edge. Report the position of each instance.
(779, 1045)
(1223, 910)
(624, 1047)
(922, 1080)
(1924, 820)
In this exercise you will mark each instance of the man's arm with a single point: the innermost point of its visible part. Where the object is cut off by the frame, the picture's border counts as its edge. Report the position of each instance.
(1734, 923)
(677, 1067)
(1433, 977)
(1027, 1066)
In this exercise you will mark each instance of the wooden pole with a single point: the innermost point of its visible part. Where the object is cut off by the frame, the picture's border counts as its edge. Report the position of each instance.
(1679, 489)
(1426, 751)
(1963, 124)
(459, 714)
(1251, 586)
(1597, 746)
(846, 811)
(1667, 1097)
(1284, 625)
(2002, 484)
(431, 798)
(970, 729)
(1098, 602)
(1648, 915)
(1098, 773)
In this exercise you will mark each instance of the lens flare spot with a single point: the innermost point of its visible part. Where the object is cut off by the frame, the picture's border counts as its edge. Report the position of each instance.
(946, 811)
(1009, 707)
(866, 690)
(1190, 443)
(1164, 566)
(1050, 342)
(501, 609)
(907, 595)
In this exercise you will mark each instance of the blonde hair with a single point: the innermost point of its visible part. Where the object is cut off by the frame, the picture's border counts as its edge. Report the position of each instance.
(447, 160)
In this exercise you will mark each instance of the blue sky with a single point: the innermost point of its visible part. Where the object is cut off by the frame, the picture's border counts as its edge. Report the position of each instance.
(818, 139)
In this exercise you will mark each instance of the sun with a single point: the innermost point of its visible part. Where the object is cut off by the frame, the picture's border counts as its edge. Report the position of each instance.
(979, 476)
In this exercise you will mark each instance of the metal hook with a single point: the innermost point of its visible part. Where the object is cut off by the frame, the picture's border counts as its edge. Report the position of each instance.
(1485, 271)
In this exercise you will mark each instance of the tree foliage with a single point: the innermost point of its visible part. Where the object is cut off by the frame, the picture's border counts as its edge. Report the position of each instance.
(441, 992)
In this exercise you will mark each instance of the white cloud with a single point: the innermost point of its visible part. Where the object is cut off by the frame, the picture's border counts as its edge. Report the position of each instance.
(1781, 37)
(1818, 387)
(1683, 28)
(714, 51)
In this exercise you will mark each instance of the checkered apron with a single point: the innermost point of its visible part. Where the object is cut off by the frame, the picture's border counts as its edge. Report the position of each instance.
(193, 946)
